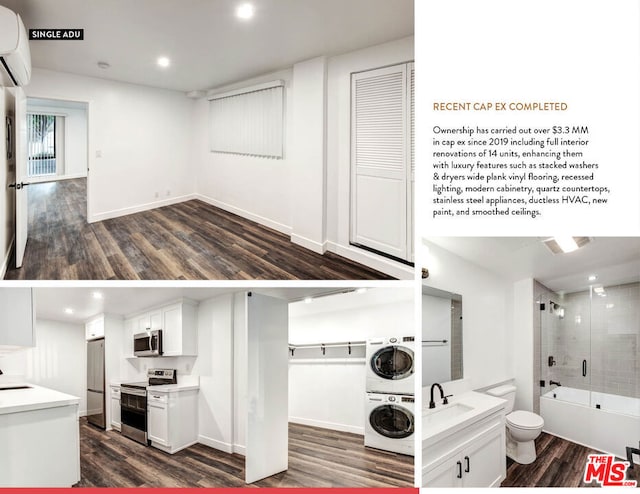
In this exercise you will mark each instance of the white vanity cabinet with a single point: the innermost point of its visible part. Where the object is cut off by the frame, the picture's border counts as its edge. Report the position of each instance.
(17, 328)
(172, 418)
(115, 407)
(178, 322)
(474, 456)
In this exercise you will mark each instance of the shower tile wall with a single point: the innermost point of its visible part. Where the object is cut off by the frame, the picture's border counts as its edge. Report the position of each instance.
(604, 331)
(615, 334)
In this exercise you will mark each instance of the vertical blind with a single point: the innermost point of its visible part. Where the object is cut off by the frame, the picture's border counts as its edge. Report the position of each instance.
(250, 123)
(41, 142)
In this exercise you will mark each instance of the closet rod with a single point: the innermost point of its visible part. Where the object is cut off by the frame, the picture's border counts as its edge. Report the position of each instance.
(328, 345)
(435, 341)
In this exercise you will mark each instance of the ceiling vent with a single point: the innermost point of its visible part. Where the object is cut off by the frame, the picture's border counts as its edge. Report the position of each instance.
(562, 245)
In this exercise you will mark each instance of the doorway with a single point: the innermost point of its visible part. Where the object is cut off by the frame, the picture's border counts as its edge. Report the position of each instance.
(52, 143)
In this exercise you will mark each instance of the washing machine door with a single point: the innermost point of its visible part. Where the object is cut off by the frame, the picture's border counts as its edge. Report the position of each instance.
(392, 362)
(392, 421)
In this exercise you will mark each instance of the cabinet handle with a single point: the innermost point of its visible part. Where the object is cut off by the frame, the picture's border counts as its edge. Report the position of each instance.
(584, 368)
(467, 464)
(459, 469)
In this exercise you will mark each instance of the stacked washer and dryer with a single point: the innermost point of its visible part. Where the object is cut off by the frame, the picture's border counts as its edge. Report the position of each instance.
(390, 410)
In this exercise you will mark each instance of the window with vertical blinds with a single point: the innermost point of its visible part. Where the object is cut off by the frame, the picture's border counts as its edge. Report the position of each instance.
(248, 122)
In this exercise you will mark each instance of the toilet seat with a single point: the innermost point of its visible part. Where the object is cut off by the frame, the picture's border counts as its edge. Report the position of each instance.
(522, 419)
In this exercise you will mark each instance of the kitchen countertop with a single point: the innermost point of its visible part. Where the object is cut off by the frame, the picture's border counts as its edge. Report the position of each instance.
(33, 398)
(167, 388)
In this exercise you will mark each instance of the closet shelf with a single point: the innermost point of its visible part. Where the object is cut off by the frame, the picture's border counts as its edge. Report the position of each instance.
(323, 346)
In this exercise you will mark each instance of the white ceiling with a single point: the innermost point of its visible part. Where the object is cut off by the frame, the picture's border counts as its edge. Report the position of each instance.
(52, 302)
(614, 260)
(208, 46)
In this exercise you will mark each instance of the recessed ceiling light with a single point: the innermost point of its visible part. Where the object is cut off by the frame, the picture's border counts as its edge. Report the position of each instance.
(68, 310)
(592, 277)
(308, 300)
(163, 62)
(98, 295)
(245, 11)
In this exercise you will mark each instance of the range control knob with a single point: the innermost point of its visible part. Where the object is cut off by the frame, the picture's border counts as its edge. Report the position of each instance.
(393, 340)
(392, 399)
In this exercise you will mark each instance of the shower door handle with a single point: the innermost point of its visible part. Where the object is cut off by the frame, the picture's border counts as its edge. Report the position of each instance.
(584, 368)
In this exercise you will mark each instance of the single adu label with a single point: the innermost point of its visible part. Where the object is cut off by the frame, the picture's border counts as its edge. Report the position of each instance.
(56, 34)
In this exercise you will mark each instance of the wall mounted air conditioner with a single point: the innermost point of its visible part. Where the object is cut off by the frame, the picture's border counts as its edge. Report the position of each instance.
(15, 58)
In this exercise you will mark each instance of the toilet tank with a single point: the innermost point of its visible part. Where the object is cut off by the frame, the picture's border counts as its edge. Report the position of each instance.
(506, 392)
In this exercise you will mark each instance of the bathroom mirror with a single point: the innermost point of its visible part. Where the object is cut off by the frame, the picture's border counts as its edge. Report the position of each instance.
(441, 336)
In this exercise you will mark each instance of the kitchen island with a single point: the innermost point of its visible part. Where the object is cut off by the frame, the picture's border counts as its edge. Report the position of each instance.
(39, 437)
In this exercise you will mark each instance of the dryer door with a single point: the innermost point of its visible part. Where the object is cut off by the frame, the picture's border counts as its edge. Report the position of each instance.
(392, 362)
(392, 421)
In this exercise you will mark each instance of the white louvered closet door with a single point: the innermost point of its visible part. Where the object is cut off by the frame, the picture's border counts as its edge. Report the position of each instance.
(380, 185)
(411, 185)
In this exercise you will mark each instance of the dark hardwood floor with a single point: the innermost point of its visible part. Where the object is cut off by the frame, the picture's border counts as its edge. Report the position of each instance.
(560, 463)
(317, 458)
(187, 241)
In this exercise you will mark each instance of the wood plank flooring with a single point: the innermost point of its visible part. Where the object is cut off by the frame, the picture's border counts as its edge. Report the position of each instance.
(560, 463)
(187, 241)
(317, 458)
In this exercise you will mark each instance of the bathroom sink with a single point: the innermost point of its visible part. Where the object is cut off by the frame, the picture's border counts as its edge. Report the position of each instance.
(438, 415)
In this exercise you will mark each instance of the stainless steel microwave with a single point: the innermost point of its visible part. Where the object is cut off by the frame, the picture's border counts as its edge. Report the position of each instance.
(148, 344)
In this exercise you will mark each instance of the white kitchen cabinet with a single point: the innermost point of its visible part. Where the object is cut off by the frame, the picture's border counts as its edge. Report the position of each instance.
(17, 328)
(172, 419)
(472, 457)
(115, 408)
(177, 322)
(179, 336)
(94, 328)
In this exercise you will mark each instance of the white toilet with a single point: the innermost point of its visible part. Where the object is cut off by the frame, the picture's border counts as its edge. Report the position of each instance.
(522, 427)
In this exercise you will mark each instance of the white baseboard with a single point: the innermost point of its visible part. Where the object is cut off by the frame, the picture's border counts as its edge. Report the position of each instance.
(215, 444)
(328, 425)
(7, 258)
(116, 213)
(274, 225)
(374, 261)
(239, 449)
(317, 247)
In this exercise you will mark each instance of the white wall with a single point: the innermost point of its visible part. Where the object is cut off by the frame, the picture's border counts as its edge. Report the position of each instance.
(524, 344)
(142, 133)
(7, 176)
(330, 392)
(340, 69)
(240, 369)
(309, 147)
(256, 188)
(214, 365)
(75, 136)
(58, 361)
(487, 308)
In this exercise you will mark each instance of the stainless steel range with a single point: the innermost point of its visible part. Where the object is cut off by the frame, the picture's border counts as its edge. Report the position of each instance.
(133, 402)
(133, 411)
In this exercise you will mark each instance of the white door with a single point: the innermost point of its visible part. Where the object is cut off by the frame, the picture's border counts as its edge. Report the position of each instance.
(484, 463)
(22, 214)
(267, 438)
(380, 160)
(411, 96)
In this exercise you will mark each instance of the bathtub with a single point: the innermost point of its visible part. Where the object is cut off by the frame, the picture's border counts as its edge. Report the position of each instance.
(573, 414)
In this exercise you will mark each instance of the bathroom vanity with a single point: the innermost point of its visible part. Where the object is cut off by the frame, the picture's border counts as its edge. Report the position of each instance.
(463, 442)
